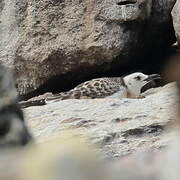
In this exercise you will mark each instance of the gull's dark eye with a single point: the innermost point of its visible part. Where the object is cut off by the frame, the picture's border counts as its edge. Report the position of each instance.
(138, 78)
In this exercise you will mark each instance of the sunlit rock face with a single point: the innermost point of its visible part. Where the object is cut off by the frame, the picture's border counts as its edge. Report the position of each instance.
(117, 126)
(176, 20)
(124, 10)
(43, 39)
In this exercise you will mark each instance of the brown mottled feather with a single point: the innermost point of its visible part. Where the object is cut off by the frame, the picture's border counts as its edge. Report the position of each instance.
(95, 88)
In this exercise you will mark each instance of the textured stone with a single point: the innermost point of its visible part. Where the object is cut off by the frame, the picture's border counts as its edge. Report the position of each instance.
(119, 127)
(176, 19)
(45, 39)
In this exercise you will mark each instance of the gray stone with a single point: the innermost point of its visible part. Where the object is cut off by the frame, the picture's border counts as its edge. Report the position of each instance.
(176, 20)
(118, 127)
(45, 39)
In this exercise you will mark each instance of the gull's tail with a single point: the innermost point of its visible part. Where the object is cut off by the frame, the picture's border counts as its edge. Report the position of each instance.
(73, 94)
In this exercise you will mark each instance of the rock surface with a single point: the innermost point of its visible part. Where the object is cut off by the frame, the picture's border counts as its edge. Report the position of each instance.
(119, 127)
(45, 39)
(176, 20)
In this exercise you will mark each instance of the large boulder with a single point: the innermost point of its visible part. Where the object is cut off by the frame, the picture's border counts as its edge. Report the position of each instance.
(176, 20)
(46, 39)
(118, 126)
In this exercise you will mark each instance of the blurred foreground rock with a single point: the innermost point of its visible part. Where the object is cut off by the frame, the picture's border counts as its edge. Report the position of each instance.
(68, 157)
(74, 158)
(118, 127)
(13, 129)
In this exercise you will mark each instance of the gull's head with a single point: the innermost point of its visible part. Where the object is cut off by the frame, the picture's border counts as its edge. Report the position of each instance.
(136, 81)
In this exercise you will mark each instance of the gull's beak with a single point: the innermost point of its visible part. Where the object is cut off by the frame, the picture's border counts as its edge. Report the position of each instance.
(152, 77)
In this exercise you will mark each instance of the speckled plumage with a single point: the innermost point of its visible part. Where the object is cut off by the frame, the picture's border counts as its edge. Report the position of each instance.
(95, 88)
(129, 86)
